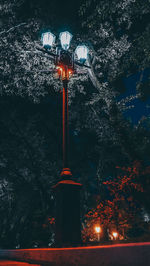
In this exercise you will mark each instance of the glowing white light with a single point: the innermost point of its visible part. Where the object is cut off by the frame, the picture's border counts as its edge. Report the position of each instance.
(82, 53)
(48, 39)
(115, 235)
(65, 39)
(97, 229)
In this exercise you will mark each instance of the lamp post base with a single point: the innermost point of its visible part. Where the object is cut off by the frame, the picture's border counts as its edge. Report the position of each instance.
(67, 225)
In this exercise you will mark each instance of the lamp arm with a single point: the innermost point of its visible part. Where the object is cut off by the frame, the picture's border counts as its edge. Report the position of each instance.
(27, 52)
(46, 51)
(80, 64)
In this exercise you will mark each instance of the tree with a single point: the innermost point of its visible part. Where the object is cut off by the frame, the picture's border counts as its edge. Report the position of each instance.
(28, 169)
(122, 209)
(117, 33)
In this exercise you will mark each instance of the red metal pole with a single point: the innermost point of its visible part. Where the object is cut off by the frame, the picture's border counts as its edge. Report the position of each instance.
(67, 191)
(65, 123)
(65, 78)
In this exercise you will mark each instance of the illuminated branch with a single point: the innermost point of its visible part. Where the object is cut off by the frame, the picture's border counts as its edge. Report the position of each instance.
(12, 28)
(101, 87)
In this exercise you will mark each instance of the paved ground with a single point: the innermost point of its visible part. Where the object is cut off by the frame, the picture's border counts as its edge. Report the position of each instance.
(129, 254)
(15, 263)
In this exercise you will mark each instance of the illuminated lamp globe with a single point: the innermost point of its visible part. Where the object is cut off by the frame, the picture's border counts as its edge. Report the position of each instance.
(115, 235)
(97, 229)
(82, 53)
(48, 39)
(65, 39)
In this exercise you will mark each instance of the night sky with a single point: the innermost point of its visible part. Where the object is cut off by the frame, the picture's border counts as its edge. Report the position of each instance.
(64, 14)
(140, 106)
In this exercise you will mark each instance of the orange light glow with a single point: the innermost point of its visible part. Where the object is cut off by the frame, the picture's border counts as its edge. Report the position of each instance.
(115, 235)
(70, 72)
(97, 229)
(60, 70)
(59, 67)
(63, 73)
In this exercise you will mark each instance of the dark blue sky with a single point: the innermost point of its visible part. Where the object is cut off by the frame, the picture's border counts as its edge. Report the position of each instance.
(141, 107)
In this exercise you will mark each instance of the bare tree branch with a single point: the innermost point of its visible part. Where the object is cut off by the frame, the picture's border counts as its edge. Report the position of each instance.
(12, 28)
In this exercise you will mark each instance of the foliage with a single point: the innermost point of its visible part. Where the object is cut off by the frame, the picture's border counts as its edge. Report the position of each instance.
(117, 33)
(28, 170)
(121, 209)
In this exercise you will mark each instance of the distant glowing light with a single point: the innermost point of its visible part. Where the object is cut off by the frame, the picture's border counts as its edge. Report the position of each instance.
(65, 39)
(97, 229)
(115, 235)
(48, 39)
(82, 53)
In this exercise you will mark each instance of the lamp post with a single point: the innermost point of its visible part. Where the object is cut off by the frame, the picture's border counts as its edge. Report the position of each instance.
(98, 231)
(115, 235)
(67, 191)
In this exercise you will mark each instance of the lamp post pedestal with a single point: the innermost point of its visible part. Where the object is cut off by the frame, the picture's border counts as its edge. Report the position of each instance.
(67, 199)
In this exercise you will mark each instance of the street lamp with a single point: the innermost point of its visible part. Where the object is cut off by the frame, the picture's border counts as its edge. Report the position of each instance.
(65, 39)
(68, 228)
(115, 235)
(82, 53)
(98, 231)
(48, 40)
